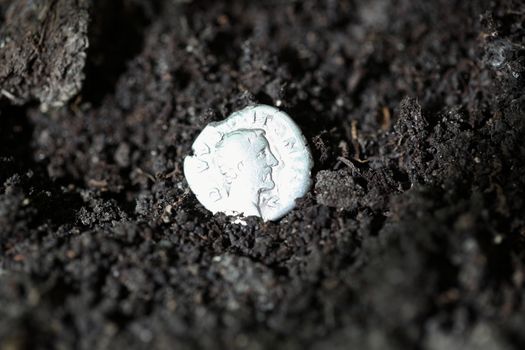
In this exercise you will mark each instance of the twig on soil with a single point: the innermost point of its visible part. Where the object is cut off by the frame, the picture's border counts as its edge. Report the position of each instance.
(387, 119)
(355, 143)
(9, 95)
(100, 184)
(146, 174)
(349, 163)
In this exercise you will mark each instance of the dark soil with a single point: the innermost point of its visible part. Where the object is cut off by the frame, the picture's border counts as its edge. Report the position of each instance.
(413, 236)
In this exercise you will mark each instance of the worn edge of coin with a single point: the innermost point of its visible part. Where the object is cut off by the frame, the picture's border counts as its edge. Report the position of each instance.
(291, 124)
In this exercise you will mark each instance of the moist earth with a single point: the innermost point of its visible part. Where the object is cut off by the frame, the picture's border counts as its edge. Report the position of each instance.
(412, 236)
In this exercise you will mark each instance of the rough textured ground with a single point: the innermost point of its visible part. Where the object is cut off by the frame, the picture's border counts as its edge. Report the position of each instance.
(413, 236)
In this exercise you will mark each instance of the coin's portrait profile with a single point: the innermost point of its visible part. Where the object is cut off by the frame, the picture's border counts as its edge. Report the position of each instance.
(245, 160)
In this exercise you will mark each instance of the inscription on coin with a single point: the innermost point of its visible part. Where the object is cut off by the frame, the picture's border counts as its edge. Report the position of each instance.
(255, 162)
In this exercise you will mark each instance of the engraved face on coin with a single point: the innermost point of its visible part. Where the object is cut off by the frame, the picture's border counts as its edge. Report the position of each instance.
(255, 162)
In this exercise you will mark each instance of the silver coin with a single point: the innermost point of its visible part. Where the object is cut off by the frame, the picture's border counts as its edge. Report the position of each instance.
(254, 163)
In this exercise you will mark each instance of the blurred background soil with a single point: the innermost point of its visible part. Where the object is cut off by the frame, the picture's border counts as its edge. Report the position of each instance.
(412, 237)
